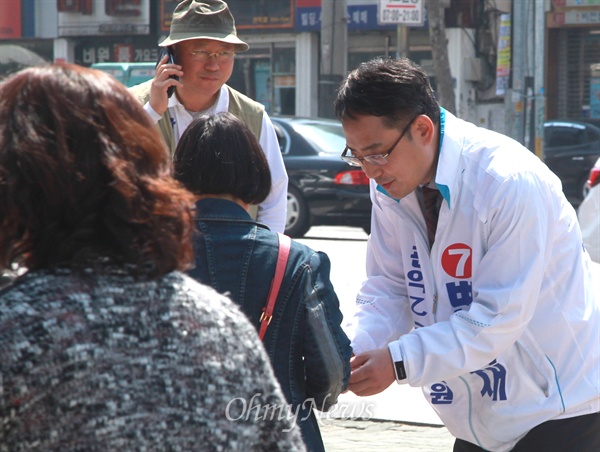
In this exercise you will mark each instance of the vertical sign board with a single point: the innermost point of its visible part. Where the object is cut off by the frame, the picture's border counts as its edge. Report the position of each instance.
(504, 54)
(401, 12)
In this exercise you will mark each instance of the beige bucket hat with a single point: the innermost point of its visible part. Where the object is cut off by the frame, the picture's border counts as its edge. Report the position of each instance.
(209, 19)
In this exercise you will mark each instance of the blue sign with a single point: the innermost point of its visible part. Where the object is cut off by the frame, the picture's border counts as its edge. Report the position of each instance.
(360, 17)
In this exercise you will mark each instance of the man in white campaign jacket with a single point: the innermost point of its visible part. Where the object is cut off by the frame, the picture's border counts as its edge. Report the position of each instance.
(496, 316)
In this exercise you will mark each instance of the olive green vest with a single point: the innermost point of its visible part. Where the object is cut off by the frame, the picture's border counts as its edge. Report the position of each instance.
(241, 106)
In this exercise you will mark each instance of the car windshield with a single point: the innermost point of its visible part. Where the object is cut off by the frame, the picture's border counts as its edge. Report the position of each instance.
(327, 138)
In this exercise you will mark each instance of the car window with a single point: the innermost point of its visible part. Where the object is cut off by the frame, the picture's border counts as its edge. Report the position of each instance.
(557, 136)
(326, 138)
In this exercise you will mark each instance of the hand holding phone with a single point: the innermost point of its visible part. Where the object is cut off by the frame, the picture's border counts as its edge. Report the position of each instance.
(168, 51)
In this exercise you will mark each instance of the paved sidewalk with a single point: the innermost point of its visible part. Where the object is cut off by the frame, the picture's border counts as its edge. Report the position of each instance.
(340, 435)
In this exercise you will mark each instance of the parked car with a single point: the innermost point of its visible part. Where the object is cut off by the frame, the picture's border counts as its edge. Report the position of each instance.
(589, 214)
(323, 189)
(570, 150)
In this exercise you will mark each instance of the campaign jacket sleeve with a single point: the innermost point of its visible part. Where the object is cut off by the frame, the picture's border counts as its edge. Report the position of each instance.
(382, 312)
(520, 224)
(273, 210)
(326, 347)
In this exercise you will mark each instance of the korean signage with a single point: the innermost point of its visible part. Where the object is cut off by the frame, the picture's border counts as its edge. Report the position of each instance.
(401, 12)
(249, 15)
(259, 14)
(504, 54)
(574, 3)
(103, 17)
(362, 15)
(166, 14)
(103, 50)
(573, 18)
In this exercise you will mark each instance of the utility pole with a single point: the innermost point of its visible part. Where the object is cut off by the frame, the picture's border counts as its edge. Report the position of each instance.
(334, 51)
(439, 50)
(515, 96)
(525, 101)
(540, 76)
(403, 42)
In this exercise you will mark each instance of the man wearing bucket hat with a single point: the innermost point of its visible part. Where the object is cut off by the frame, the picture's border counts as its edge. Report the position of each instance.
(203, 41)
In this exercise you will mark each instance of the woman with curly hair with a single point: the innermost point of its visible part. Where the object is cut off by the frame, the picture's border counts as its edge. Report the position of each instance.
(104, 343)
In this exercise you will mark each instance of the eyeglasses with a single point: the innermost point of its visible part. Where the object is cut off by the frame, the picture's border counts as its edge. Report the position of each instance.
(375, 159)
(202, 56)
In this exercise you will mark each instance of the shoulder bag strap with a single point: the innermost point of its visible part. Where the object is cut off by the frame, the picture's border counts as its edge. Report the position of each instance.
(282, 257)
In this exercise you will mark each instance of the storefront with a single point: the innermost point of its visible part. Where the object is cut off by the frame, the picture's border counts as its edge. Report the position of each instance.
(573, 56)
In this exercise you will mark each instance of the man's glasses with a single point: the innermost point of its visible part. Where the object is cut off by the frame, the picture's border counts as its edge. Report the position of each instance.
(375, 159)
(202, 56)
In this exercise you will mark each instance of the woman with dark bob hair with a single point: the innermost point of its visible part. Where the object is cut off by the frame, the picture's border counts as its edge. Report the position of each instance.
(104, 344)
(222, 163)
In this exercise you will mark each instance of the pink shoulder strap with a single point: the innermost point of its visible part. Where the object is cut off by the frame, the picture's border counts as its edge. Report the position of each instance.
(284, 251)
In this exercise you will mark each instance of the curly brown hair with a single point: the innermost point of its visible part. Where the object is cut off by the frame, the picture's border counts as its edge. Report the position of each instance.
(84, 174)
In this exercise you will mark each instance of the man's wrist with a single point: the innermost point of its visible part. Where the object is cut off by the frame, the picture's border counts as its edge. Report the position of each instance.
(154, 115)
(398, 362)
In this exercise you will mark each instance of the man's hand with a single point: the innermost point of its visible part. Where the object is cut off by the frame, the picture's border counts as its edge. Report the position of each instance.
(372, 372)
(159, 100)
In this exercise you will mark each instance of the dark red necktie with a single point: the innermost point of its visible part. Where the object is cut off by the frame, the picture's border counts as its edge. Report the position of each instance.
(431, 205)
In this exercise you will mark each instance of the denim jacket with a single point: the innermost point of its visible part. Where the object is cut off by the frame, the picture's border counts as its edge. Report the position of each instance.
(308, 349)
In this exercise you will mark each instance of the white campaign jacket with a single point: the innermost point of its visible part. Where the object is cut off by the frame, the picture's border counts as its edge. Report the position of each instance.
(500, 323)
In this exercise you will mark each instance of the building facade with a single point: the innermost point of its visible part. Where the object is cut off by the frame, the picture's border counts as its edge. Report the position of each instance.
(285, 66)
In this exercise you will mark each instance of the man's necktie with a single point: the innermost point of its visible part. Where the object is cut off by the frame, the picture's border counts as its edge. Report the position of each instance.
(431, 204)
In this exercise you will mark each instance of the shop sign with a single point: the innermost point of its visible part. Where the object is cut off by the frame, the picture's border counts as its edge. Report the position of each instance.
(504, 55)
(362, 15)
(89, 18)
(124, 53)
(574, 3)
(10, 19)
(261, 14)
(573, 17)
(401, 12)
(256, 14)
(166, 13)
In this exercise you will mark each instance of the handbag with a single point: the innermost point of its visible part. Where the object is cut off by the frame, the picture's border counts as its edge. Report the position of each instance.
(285, 244)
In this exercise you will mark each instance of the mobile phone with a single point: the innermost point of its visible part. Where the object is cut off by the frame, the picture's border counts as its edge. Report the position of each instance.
(168, 51)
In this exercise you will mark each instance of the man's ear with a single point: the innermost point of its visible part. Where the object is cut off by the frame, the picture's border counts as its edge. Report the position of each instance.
(424, 130)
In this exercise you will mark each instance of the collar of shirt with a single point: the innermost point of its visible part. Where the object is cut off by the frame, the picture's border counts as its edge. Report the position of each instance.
(182, 118)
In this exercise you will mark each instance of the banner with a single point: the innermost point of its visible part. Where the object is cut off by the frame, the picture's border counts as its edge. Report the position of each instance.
(504, 56)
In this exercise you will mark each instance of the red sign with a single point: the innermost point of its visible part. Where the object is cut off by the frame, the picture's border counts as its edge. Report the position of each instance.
(308, 3)
(10, 19)
(558, 18)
